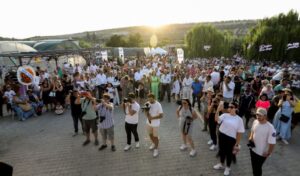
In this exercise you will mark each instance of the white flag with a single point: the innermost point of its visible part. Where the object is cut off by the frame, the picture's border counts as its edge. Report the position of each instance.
(292, 45)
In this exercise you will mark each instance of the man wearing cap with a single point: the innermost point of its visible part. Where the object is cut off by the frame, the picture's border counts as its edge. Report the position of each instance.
(261, 141)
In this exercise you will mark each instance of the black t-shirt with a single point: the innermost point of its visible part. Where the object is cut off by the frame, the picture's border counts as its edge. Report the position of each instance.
(75, 108)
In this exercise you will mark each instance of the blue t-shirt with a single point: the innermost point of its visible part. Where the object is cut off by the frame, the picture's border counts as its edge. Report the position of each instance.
(197, 87)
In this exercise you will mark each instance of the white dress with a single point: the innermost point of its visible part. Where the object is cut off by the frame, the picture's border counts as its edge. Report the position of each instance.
(176, 87)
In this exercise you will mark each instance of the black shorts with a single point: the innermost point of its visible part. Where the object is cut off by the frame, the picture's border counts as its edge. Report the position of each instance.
(90, 124)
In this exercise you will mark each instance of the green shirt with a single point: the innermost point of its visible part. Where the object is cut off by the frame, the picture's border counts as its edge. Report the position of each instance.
(87, 106)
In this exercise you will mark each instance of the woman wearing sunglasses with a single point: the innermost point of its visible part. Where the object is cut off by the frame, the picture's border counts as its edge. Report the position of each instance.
(186, 115)
(230, 133)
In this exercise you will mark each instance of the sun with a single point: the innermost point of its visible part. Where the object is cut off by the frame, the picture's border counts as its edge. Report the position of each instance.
(155, 24)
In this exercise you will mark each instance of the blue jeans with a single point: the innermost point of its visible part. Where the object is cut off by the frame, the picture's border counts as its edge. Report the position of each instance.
(22, 115)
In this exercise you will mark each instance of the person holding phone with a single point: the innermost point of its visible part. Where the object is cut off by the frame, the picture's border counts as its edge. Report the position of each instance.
(105, 111)
(230, 134)
(262, 140)
(283, 128)
(89, 116)
(131, 109)
(186, 115)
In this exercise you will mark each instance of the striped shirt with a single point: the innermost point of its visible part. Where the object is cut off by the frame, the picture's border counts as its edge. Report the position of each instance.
(103, 111)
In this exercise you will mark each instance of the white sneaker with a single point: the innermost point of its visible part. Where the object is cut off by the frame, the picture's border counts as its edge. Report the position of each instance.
(193, 153)
(218, 166)
(285, 141)
(227, 171)
(151, 147)
(209, 142)
(183, 147)
(127, 147)
(213, 147)
(155, 153)
(137, 145)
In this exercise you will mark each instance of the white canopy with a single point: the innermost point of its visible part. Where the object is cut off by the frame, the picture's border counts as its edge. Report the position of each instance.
(7, 47)
(159, 51)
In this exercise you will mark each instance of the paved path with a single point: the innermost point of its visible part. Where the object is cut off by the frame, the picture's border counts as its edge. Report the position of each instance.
(44, 146)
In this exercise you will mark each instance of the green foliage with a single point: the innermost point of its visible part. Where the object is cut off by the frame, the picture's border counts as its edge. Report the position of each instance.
(116, 41)
(134, 40)
(84, 44)
(222, 43)
(277, 31)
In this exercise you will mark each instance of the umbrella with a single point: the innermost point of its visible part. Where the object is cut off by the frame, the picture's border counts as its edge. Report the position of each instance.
(7, 47)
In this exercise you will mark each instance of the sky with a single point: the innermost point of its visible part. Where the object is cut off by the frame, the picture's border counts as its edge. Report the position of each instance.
(28, 18)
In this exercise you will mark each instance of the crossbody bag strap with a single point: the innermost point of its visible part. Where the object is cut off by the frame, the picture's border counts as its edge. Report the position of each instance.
(84, 102)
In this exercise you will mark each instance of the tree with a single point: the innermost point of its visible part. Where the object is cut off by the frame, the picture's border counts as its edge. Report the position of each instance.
(88, 36)
(84, 44)
(116, 41)
(134, 40)
(277, 31)
(199, 36)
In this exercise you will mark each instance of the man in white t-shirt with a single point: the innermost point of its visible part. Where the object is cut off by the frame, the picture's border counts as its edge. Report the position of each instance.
(131, 109)
(154, 114)
(215, 77)
(9, 94)
(261, 141)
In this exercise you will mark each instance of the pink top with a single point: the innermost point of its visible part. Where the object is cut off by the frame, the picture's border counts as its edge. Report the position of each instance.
(263, 104)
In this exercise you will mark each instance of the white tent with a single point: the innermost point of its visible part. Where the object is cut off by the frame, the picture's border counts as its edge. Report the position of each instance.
(159, 51)
(7, 47)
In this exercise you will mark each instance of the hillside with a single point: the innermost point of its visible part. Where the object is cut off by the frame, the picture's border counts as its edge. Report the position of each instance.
(171, 34)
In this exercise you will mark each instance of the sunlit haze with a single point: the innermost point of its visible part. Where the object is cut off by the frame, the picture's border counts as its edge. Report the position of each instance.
(27, 18)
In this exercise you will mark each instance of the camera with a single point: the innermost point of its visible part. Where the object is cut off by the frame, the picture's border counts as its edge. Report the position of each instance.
(284, 97)
(188, 119)
(146, 107)
(102, 118)
(126, 100)
(178, 102)
(251, 144)
(226, 105)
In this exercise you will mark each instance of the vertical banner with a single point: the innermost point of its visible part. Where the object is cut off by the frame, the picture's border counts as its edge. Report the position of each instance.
(104, 55)
(180, 55)
(97, 56)
(121, 54)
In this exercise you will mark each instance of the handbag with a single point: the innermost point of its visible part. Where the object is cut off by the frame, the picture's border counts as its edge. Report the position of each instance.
(284, 118)
(25, 107)
(52, 94)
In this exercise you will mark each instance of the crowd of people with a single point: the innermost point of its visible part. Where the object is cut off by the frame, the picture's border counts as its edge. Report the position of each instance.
(222, 91)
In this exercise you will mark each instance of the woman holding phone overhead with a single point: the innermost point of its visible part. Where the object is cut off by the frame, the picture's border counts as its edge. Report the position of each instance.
(230, 133)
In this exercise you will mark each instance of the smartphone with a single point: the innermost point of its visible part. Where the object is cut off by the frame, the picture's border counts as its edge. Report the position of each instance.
(84, 93)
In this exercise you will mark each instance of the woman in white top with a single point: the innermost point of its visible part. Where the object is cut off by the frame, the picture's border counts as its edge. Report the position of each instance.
(186, 115)
(230, 133)
(176, 88)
